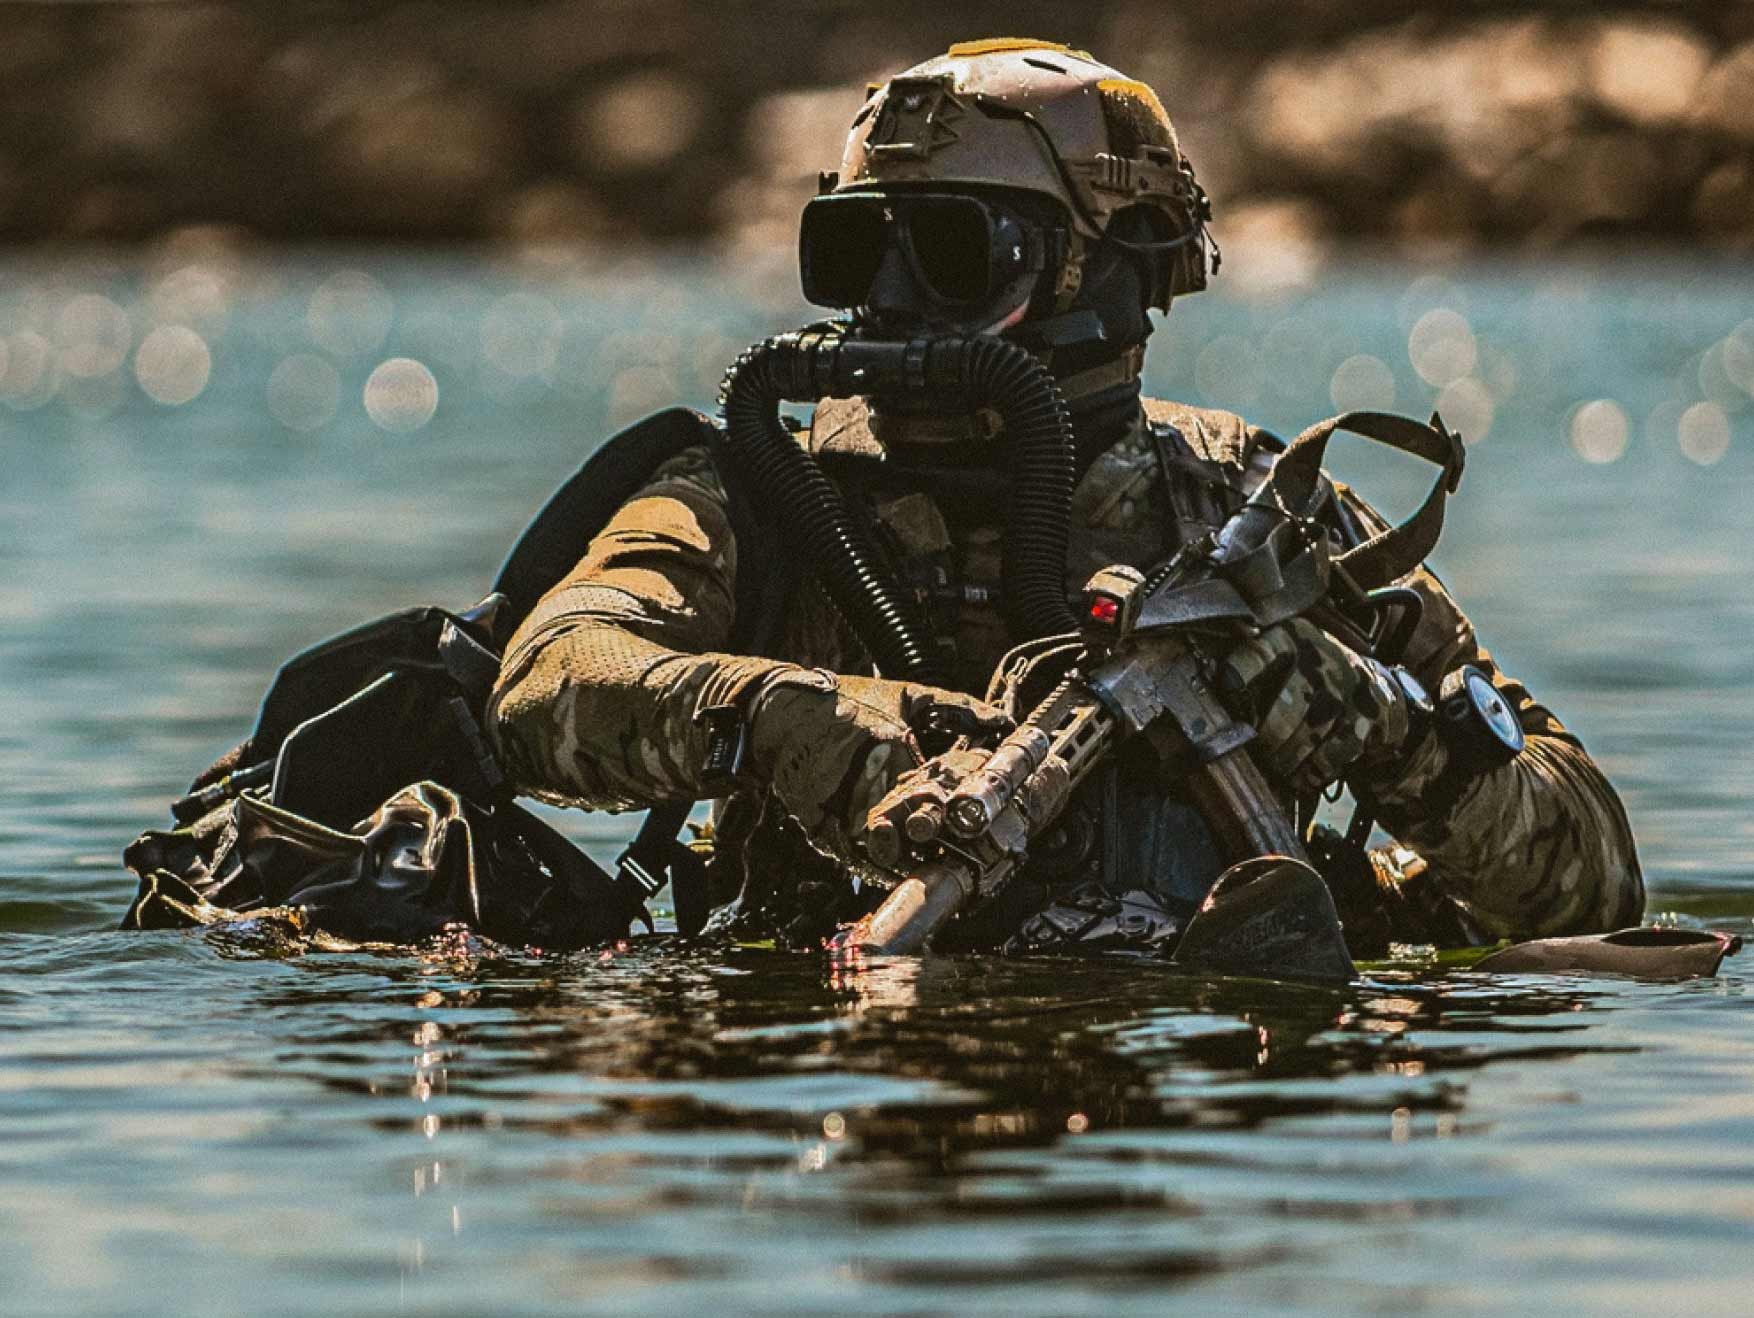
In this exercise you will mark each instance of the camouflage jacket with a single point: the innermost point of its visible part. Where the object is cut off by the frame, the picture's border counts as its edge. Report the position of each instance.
(596, 700)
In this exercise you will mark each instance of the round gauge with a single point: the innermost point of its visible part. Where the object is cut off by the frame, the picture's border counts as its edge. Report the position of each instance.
(1481, 724)
(1492, 709)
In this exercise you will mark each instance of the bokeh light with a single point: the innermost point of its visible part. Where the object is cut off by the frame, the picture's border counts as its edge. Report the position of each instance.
(1646, 71)
(1703, 433)
(1441, 346)
(350, 313)
(401, 395)
(1428, 293)
(617, 343)
(93, 334)
(1362, 383)
(304, 391)
(639, 121)
(1500, 372)
(1717, 374)
(1467, 408)
(1599, 431)
(173, 364)
(192, 295)
(575, 370)
(32, 376)
(1278, 245)
(1736, 356)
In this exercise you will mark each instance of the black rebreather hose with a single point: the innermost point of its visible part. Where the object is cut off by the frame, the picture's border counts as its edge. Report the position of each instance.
(977, 371)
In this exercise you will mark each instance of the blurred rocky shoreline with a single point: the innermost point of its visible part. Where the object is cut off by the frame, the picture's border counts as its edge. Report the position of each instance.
(1466, 127)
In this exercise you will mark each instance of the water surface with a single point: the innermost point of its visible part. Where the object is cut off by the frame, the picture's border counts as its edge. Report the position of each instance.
(196, 1123)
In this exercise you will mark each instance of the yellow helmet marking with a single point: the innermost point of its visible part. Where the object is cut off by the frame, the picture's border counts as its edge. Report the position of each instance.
(1133, 89)
(998, 45)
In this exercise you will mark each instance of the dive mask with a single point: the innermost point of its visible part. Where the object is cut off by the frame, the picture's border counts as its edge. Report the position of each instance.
(954, 253)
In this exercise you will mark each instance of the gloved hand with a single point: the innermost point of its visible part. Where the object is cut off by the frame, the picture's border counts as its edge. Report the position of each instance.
(1320, 710)
(832, 747)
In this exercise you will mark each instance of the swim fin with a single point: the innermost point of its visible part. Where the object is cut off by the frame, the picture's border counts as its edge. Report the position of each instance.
(1642, 953)
(1269, 918)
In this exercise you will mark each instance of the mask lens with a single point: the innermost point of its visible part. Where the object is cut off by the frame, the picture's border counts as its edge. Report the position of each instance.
(840, 244)
(952, 244)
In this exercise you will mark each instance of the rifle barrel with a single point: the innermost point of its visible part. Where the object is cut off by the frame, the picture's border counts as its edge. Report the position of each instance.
(914, 910)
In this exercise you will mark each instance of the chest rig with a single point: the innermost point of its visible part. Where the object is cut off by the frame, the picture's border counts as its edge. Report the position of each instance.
(937, 513)
(1133, 857)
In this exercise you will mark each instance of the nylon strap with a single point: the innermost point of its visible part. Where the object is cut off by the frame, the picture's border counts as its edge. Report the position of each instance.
(1117, 370)
(1299, 487)
(1269, 567)
(656, 853)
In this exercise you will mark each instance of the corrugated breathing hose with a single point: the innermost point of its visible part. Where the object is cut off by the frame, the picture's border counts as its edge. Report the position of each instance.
(980, 371)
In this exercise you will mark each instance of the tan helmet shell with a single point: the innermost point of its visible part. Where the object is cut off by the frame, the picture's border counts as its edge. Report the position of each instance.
(964, 119)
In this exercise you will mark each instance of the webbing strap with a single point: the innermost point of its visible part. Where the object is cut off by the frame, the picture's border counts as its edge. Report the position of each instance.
(1268, 565)
(1297, 486)
(657, 854)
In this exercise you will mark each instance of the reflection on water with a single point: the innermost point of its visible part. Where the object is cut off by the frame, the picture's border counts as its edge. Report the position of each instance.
(210, 462)
(650, 1130)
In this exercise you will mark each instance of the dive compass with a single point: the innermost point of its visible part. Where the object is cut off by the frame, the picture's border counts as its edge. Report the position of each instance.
(1477, 721)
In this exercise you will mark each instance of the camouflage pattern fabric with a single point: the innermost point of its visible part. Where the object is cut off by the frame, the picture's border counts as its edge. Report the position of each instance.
(1538, 846)
(599, 696)
(1318, 708)
(600, 704)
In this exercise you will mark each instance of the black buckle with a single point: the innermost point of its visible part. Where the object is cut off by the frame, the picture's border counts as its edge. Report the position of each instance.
(648, 867)
(632, 869)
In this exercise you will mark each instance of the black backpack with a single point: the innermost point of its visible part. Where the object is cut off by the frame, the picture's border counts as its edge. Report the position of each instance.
(367, 803)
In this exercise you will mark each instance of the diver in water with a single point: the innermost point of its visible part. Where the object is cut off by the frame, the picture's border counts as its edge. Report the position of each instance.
(1019, 189)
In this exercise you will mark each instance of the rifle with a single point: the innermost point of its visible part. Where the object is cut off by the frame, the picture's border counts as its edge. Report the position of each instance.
(958, 830)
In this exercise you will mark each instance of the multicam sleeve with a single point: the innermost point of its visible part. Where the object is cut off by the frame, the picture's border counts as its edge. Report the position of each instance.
(1539, 846)
(597, 700)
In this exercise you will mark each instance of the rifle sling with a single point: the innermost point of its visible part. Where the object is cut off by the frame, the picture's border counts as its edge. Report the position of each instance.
(1296, 482)
(1270, 567)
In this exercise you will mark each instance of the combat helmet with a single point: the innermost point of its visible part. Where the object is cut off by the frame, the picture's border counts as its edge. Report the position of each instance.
(1042, 118)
